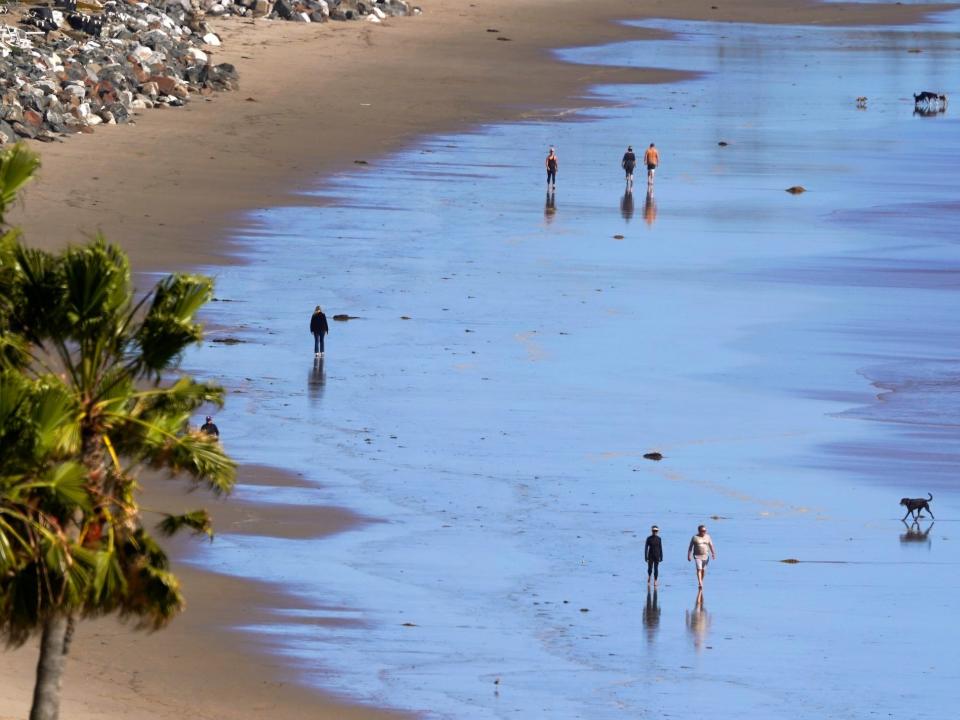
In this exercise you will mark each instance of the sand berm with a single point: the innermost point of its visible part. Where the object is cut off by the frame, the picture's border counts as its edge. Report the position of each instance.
(313, 99)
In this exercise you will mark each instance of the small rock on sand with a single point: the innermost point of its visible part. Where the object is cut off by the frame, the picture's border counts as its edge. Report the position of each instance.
(790, 561)
(796, 189)
(653, 456)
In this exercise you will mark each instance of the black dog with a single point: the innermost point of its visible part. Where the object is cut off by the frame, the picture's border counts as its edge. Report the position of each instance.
(916, 505)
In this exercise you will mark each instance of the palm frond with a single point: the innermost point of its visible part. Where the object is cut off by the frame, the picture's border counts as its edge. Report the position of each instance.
(17, 166)
(197, 520)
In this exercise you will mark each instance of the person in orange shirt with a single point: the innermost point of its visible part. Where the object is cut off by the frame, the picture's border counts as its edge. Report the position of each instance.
(651, 158)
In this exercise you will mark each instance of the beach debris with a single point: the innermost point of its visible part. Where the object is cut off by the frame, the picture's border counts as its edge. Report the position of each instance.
(409, 624)
(344, 317)
(617, 237)
(796, 189)
(228, 340)
(653, 456)
(723, 143)
(862, 102)
(584, 610)
(719, 517)
(404, 317)
(493, 30)
(790, 561)
(504, 38)
(360, 162)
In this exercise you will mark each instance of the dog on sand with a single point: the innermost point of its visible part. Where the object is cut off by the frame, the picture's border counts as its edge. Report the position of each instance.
(917, 505)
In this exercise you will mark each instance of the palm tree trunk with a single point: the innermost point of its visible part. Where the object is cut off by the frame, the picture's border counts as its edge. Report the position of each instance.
(54, 644)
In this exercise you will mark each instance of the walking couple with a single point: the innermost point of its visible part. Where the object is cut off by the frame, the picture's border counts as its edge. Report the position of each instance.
(700, 549)
(651, 158)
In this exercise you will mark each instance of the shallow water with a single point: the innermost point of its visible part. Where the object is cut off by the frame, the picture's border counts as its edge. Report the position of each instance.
(744, 332)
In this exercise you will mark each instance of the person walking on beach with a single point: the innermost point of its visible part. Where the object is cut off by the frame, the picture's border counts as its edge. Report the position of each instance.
(628, 163)
(701, 550)
(653, 554)
(319, 328)
(208, 428)
(553, 164)
(651, 158)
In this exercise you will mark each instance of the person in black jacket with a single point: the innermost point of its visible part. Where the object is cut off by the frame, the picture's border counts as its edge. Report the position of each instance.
(653, 554)
(319, 328)
(628, 163)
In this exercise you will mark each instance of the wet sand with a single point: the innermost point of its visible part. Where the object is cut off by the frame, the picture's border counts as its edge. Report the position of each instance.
(206, 198)
(551, 342)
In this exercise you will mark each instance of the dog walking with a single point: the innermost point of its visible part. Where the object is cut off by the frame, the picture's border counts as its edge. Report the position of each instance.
(651, 158)
(701, 550)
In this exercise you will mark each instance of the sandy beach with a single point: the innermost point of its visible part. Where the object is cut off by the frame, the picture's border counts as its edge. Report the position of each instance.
(168, 188)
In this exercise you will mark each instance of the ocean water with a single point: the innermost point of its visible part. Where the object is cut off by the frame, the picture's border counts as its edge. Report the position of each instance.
(514, 355)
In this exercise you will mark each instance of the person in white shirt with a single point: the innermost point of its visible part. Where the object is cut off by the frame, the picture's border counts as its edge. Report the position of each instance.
(701, 550)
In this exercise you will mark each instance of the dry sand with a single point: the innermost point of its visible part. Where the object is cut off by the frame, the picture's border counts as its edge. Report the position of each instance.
(313, 100)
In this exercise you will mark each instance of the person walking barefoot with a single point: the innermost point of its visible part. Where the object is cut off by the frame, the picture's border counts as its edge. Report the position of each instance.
(319, 328)
(701, 549)
(553, 164)
(651, 158)
(653, 554)
(628, 163)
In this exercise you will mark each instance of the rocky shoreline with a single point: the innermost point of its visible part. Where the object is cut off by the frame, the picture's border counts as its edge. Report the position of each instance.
(70, 65)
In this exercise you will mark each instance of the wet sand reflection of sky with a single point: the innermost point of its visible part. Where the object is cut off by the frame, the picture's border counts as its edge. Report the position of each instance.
(499, 431)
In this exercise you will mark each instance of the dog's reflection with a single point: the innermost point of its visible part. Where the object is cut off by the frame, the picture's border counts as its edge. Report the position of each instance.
(698, 622)
(316, 380)
(651, 615)
(550, 207)
(915, 535)
(626, 205)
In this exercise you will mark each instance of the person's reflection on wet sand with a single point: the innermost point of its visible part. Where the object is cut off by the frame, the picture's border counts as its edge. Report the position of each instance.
(651, 615)
(316, 380)
(550, 208)
(698, 622)
(626, 205)
(915, 535)
(650, 208)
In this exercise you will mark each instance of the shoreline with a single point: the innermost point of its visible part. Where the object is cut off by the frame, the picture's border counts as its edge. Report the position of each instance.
(222, 212)
(219, 157)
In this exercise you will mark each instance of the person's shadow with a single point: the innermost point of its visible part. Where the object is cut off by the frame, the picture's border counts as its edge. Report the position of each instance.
(651, 615)
(650, 208)
(316, 380)
(550, 207)
(915, 535)
(698, 622)
(626, 205)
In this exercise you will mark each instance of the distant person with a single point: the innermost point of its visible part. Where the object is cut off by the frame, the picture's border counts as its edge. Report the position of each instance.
(319, 328)
(553, 164)
(701, 550)
(208, 428)
(653, 554)
(651, 158)
(628, 163)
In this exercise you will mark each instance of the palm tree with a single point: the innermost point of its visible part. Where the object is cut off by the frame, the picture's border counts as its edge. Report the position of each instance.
(89, 395)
